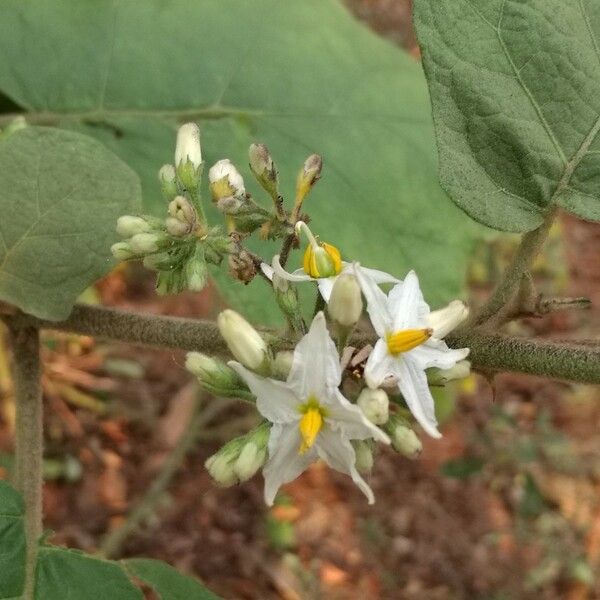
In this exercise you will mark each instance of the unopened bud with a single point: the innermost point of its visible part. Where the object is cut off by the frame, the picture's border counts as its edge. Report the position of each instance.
(122, 251)
(180, 208)
(364, 455)
(460, 370)
(253, 454)
(225, 181)
(188, 145)
(145, 243)
(168, 183)
(282, 364)
(404, 439)
(345, 303)
(308, 176)
(215, 376)
(446, 319)
(220, 465)
(195, 270)
(128, 226)
(375, 405)
(242, 266)
(176, 227)
(263, 168)
(243, 340)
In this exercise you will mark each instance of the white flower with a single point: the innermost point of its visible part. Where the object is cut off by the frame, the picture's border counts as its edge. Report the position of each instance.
(311, 419)
(317, 267)
(407, 346)
(225, 180)
(188, 145)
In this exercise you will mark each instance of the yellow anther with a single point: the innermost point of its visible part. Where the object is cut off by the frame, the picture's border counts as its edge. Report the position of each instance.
(407, 339)
(310, 425)
(322, 260)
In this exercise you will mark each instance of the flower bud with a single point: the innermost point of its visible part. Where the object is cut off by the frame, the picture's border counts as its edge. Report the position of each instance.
(242, 266)
(345, 304)
(188, 146)
(263, 168)
(195, 270)
(215, 376)
(446, 319)
(308, 176)
(404, 439)
(364, 455)
(168, 183)
(181, 209)
(375, 405)
(145, 243)
(282, 364)
(128, 226)
(225, 181)
(122, 251)
(230, 205)
(460, 370)
(176, 227)
(220, 467)
(243, 340)
(253, 454)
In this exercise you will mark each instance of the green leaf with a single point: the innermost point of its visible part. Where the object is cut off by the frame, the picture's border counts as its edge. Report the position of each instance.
(12, 542)
(167, 582)
(63, 574)
(60, 196)
(302, 77)
(515, 88)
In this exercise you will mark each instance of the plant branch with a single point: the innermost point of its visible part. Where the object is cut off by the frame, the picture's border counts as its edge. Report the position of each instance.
(530, 246)
(145, 508)
(25, 344)
(574, 361)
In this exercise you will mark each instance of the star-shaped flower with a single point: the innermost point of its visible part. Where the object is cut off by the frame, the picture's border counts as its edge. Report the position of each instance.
(311, 418)
(322, 263)
(410, 342)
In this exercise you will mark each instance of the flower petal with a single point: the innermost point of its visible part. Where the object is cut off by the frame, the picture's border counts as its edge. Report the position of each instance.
(377, 302)
(316, 366)
(406, 304)
(267, 270)
(379, 276)
(435, 353)
(339, 454)
(446, 319)
(285, 463)
(350, 420)
(412, 382)
(325, 285)
(275, 400)
(297, 275)
(380, 365)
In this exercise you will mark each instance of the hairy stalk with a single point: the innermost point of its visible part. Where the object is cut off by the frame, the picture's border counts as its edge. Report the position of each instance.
(530, 246)
(574, 361)
(29, 440)
(145, 508)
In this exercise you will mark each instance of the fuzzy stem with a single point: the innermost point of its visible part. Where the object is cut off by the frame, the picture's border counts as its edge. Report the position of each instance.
(25, 344)
(530, 246)
(574, 361)
(145, 508)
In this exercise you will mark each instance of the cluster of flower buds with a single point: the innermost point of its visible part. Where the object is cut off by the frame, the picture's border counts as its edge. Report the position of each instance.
(216, 377)
(241, 458)
(179, 246)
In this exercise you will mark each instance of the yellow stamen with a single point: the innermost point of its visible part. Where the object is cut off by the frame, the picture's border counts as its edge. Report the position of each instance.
(310, 425)
(322, 260)
(407, 339)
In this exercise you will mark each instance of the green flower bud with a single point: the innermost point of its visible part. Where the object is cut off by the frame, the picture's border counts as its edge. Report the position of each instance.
(308, 176)
(128, 226)
(196, 272)
(146, 243)
(253, 454)
(460, 370)
(404, 439)
(122, 251)
(263, 168)
(215, 376)
(176, 227)
(168, 181)
(375, 405)
(188, 156)
(364, 455)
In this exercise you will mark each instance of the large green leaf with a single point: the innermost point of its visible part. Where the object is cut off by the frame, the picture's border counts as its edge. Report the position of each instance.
(12, 542)
(515, 88)
(60, 194)
(301, 76)
(166, 581)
